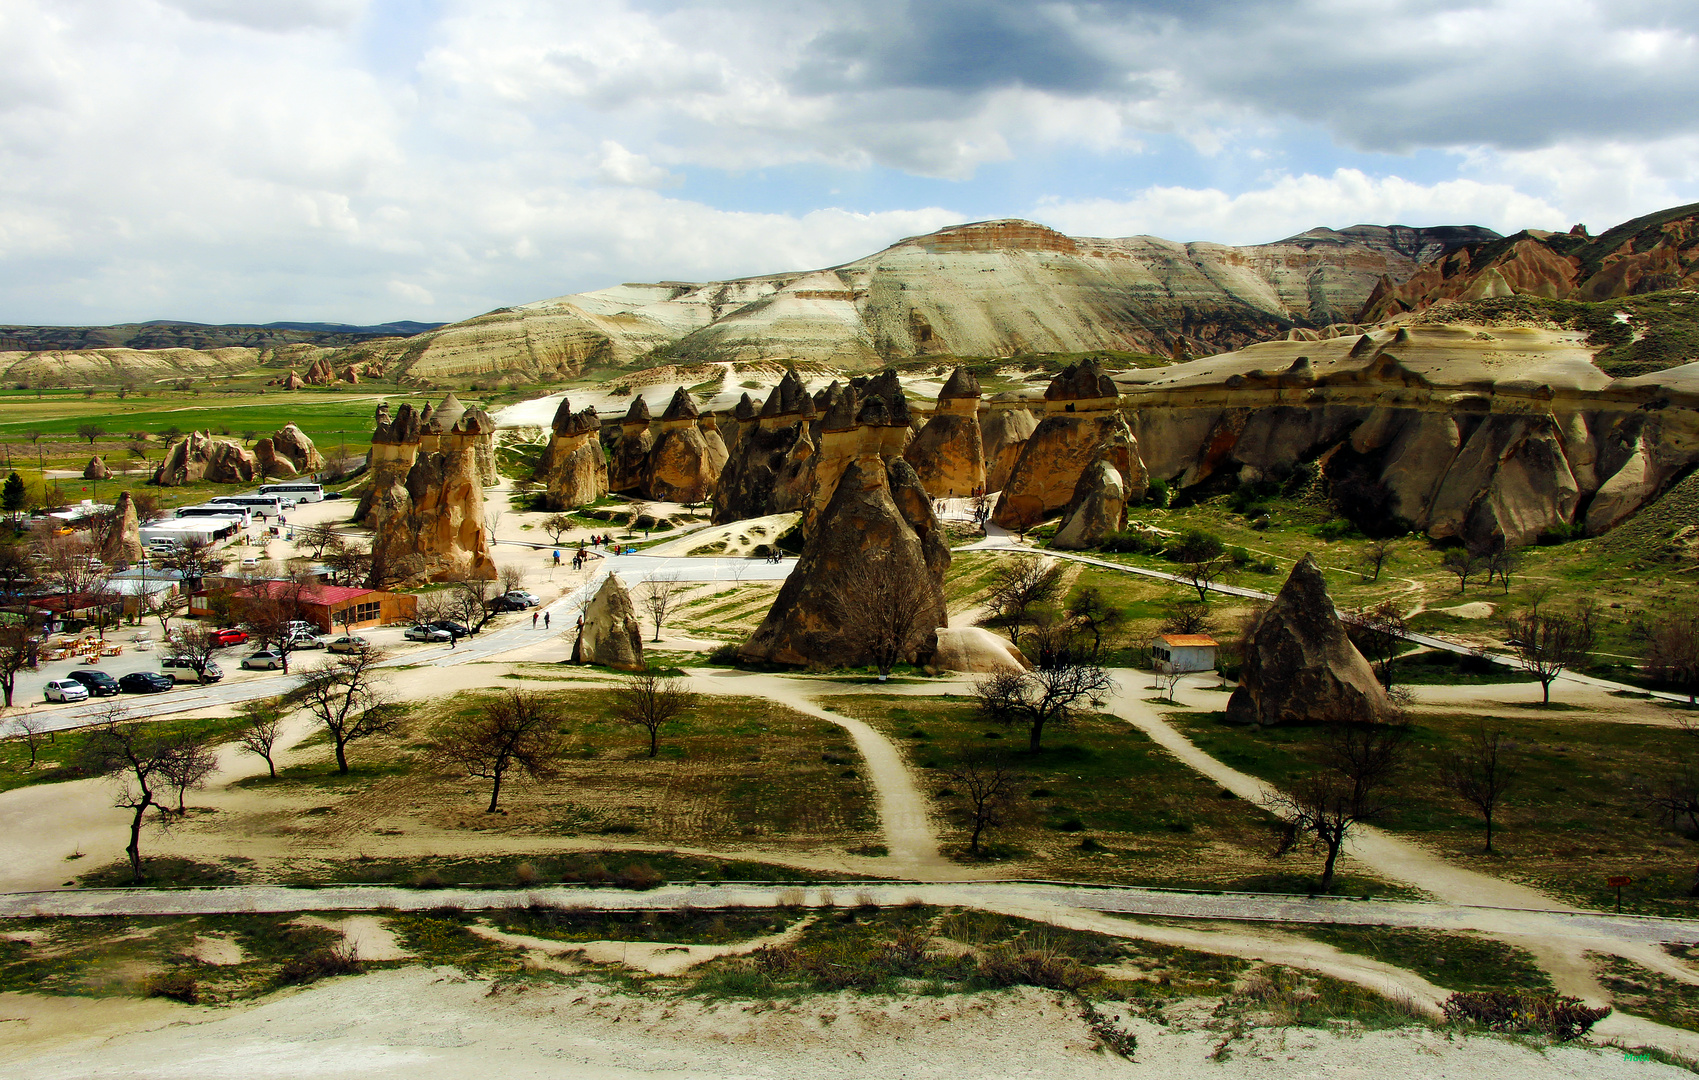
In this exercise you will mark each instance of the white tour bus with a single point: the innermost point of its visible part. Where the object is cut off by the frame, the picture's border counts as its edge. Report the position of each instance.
(239, 513)
(301, 491)
(256, 504)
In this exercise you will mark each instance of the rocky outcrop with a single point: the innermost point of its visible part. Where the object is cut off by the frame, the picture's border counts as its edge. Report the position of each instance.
(770, 470)
(426, 503)
(289, 443)
(610, 634)
(96, 469)
(864, 416)
(1098, 508)
(631, 455)
(1008, 422)
(198, 456)
(292, 381)
(1300, 666)
(879, 521)
(949, 453)
(976, 650)
(679, 466)
(124, 540)
(268, 464)
(575, 468)
(1082, 424)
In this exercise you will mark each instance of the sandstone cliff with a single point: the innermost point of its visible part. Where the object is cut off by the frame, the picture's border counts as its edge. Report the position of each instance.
(1007, 423)
(769, 471)
(680, 466)
(426, 503)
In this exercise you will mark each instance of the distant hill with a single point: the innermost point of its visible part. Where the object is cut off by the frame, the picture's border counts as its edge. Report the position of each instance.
(171, 334)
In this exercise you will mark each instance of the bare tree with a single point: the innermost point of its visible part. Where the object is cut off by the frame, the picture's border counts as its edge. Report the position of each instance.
(1043, 696)
(32, 731)
(1349, 786)
(1375, 557)
(511, 578)
(1549, 643)
(1379, 632)
(1481, 771)
(469, 599)
(164, 605)
(1672, 653)
(1168, 682)
(1016, 585)
(186, 768)
(345, 696)
(514, 731)
(1202, 559)
(18, 652)
(197, 646)
(272, 611)
(1187, 617)
(263, 727)
(637, 510)
(651, 702)
(989, 788)
(90, 431)
(879, 614)
(1505, 562)
(1094, 612)
(350, 563)
(558, 525)
(137, 756)
(1461, 563)
(315, 538)
(660, 595)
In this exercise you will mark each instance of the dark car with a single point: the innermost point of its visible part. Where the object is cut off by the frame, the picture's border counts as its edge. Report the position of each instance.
(457, 629)
(145, 682)
(99, 683)
(227, 637)
(332, 495)
(508, 603)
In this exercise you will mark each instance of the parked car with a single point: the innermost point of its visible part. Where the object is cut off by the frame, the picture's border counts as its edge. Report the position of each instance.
(529, 599)
(305, 639)
(506, 602)
(65, 690)
(228, 636)
(427, 633)
(457, 629)
(182, 669)
(145, 682)
(348, 643)
(264, 660)
(332, 495)
(97, 683)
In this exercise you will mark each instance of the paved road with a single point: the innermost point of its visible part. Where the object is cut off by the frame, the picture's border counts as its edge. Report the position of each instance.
(1035, 896)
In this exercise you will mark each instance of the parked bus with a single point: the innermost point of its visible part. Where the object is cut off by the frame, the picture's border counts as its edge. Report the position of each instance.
(214, 510)
(258, 504)
(301, 491)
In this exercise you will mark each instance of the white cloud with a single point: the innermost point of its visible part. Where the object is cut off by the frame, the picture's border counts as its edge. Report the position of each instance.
(621, 166)
(1294, 203)
(417, 295)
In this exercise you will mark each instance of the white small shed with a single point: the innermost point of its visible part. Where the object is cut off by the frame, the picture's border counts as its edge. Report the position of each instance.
(1183, 653)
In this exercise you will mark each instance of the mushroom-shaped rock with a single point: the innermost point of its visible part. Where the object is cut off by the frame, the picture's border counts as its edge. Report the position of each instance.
(1057, 453)
(1003, 433)
(449, 412)
(681, 407)
(976, 650)
(746, 409)
(1300, 665)
(96, 469)
(269, 463)
(611, 633)
(949, 452)
(293, 381)
(124, 540)
(631, 455)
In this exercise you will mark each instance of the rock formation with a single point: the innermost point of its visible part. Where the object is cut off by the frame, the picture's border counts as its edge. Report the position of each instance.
(453, 416)
(124, 542)
(611, 633)
(1004, 429)
(770, 470)
(631, 455)
(949, 453)
(865, 416)
(292, 381)
(877, 525)
(289, 443)
(426, 503)
(267, 463)
(1082, 424)
(1300, 667)
(976, 650)
(198, 456)
(679, 466)
(575, 467)
(96, 469)
(1098, 508)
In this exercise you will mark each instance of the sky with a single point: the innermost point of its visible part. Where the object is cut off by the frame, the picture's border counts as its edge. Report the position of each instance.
(363, 161)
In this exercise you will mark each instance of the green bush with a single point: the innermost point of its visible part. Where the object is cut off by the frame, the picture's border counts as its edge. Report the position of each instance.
(1552, 1015)
(178, 985)
(640, 877)
(320, 964)
(1130, 542)
(1158, 493)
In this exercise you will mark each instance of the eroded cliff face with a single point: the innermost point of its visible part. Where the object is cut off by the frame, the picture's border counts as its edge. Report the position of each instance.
(770, 463)
(574, 466)
(1458, 430)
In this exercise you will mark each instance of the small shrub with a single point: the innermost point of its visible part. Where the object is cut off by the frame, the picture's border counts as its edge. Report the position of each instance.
(1072, 824)
(1553, 1015)
(1036, 965)
(589, 871)
(525, 875)
(1089, 844)
(340, 959)
(640, 877)
(178, 985)
(429, 879)
(724, 654)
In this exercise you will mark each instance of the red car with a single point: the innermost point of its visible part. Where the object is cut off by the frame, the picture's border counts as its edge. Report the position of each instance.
(228, 636)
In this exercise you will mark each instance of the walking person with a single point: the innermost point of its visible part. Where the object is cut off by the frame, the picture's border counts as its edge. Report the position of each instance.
(545, 620)
(453, 640)
(533, 620)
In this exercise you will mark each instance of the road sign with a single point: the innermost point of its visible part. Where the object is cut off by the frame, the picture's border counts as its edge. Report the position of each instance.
(1619, 882)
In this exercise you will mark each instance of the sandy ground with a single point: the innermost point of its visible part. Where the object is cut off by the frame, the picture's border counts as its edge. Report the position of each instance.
(437, 1023)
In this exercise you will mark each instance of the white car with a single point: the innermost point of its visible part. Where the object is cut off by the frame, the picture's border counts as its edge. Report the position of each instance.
(65, 690)
(427, 633)
(348, 643)
(529, 599)
(265, 659)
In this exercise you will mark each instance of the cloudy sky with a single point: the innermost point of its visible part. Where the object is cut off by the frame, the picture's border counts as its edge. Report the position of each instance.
(368, 160)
